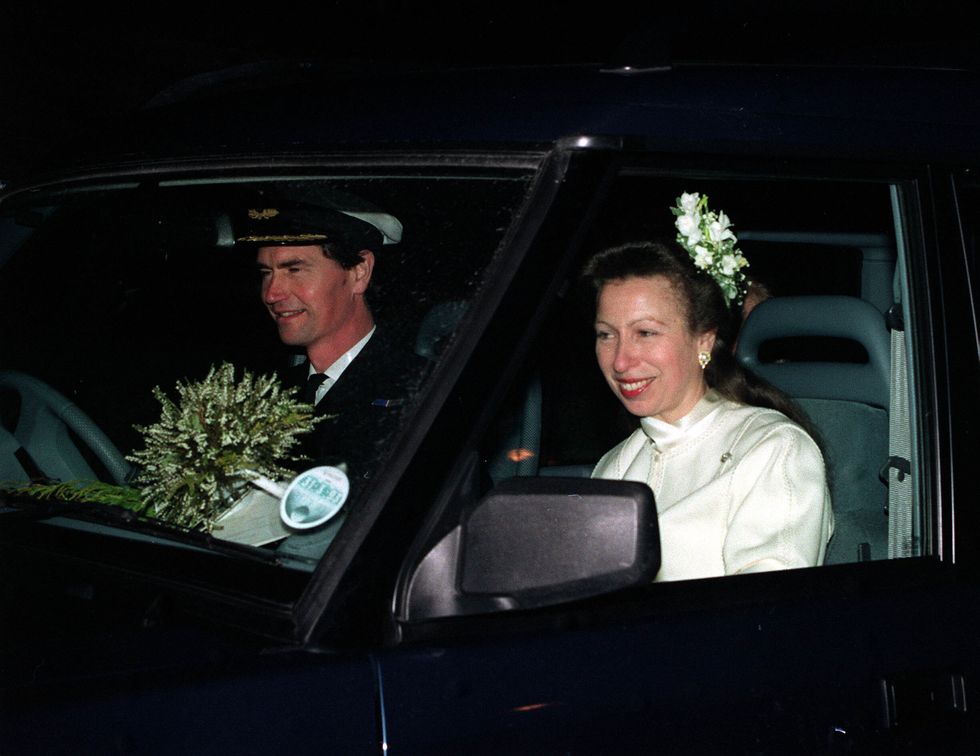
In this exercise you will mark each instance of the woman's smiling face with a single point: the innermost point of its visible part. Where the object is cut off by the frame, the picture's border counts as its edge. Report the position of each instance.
(645, 349)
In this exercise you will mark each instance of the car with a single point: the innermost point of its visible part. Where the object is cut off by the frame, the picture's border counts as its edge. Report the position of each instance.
(471, 599)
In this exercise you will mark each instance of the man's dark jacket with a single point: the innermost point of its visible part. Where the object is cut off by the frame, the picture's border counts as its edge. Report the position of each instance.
(363, 408)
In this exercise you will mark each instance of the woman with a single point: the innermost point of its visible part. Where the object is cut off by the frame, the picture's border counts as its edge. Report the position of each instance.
(740, 485)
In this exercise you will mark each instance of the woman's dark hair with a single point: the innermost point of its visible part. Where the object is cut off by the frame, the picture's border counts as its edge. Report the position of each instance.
(706, 311)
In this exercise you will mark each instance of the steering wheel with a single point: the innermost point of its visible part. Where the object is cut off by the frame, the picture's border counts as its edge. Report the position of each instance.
(49, 429)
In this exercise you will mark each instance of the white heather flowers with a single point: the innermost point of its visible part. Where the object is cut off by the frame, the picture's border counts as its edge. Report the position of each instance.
(709, 240)
(204, 449)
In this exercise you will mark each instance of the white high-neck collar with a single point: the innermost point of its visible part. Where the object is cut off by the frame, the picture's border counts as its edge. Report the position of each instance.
(664, 434)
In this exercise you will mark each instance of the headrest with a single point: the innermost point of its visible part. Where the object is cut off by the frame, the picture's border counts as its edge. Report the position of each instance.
(437, 324)
(820, 316)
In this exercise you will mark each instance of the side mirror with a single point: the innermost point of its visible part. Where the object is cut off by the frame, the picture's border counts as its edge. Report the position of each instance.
(534, 542)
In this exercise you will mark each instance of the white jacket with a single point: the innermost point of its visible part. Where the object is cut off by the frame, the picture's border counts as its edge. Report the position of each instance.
(738, 489)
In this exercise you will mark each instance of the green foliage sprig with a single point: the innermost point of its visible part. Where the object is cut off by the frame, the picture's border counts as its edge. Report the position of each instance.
(93, 492)
(213, 440)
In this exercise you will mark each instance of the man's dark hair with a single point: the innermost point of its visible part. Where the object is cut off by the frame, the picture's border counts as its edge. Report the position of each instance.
(343, 253)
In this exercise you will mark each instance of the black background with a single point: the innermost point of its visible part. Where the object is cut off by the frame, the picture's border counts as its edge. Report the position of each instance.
(66, 66)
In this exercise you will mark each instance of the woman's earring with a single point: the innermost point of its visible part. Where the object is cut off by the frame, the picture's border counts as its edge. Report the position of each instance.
(703, 359)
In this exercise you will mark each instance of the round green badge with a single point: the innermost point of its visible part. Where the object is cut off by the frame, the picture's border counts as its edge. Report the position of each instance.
(313, 497)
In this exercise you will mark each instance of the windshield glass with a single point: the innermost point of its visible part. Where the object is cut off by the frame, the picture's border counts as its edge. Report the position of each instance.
(157, 338)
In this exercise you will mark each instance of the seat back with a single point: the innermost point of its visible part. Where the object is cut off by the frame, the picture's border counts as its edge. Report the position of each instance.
(519, 449)
(438, 325)
(846, 401)
(519, 452)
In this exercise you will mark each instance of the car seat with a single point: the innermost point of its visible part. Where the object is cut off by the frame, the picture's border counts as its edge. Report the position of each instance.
(846, 401)
(518, 450)
(437, 326)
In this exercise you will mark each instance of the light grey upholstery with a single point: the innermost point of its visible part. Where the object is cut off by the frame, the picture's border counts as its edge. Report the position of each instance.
(847, 403)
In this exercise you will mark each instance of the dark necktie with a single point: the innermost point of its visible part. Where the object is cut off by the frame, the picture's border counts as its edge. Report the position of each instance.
(312, 384)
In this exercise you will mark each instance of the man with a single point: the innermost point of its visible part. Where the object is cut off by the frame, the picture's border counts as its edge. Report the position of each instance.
(316, 265)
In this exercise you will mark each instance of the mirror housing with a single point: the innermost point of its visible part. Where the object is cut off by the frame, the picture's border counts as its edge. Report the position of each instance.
(534, 542)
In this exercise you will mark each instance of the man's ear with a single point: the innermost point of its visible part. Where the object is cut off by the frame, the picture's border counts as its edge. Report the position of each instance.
(360, 274)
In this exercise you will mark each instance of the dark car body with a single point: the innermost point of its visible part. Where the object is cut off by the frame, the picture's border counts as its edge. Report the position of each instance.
(117, 644)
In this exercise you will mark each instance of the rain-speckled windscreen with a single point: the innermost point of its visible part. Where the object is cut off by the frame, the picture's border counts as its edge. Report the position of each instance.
(110, 292)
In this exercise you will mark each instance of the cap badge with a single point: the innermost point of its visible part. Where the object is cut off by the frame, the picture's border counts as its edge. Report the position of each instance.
(263, 214)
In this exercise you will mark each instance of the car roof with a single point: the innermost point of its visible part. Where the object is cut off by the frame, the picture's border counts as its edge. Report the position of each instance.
(884, 112)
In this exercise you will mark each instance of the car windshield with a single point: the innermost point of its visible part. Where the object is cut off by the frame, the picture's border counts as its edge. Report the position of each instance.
(144, 383)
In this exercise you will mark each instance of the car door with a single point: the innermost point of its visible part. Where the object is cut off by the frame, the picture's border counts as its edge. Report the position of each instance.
(873, 653)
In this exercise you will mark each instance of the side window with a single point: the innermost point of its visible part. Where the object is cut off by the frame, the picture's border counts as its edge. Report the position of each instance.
(822, 257)
(819, 325)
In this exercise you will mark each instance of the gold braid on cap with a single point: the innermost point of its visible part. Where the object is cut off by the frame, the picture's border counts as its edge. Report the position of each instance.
(284, 238)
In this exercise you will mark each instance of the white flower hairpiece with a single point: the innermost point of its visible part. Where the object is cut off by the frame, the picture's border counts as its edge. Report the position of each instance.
(708, 239)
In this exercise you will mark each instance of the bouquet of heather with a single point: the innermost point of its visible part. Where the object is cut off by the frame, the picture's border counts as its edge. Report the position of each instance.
(219, 435)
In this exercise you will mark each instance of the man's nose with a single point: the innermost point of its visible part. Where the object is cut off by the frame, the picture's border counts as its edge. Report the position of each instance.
(272, 288)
